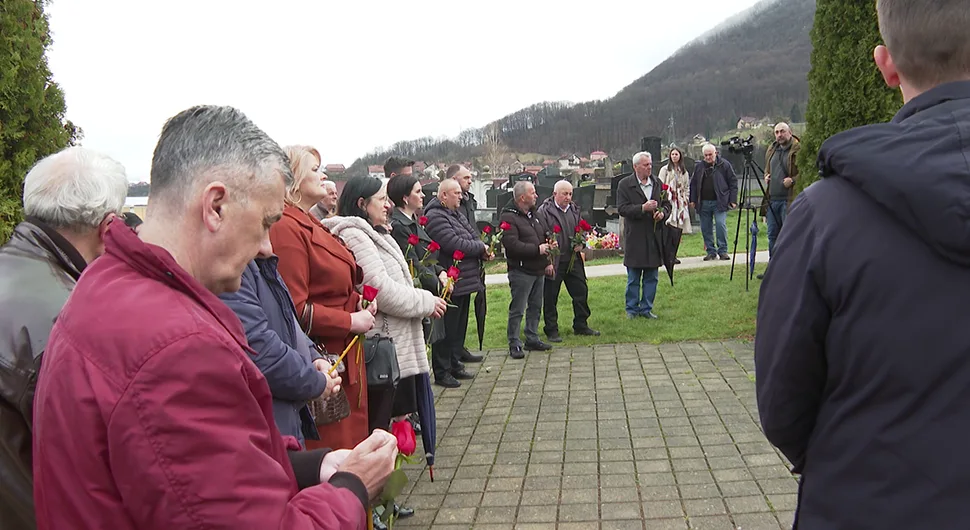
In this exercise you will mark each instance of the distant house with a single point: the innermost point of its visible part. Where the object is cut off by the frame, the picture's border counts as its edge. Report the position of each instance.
(747, 122)
(548, 162)
(699, 139)
(532, 169)
(376, 171)
(516, 167)
(334, 169)
(597, 155)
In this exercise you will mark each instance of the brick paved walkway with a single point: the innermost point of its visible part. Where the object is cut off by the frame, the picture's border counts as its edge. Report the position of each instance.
(631, 436)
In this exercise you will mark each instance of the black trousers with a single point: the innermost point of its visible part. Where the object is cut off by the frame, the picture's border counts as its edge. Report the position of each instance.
(575, 281)
(446, 353)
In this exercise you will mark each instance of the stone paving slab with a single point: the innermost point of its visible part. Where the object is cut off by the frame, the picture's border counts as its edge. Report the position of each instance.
(627, 436)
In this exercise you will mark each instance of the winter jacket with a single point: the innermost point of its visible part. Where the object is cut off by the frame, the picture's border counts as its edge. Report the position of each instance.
(725, 183)
(284, 354)
(402, 228)
(551, 216)
(150, 414)
(521, 241)
(452, 231)
(398, 301)
(642, 236)
(468, 206)
(861, 353)
(40, 268)
(796, 146)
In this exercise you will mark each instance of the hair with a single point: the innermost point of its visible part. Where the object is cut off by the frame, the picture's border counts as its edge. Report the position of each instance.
(679, 167)
(709, 147)
(75, 189)
(786, 126)
(520, 189)
(453, 170)
(328, 184)
(395, 164)
(561, 184)
(400, 187)
(640, 155)
(206, 143)
(359, 187)
(445, 184)
(928, 43)
(302, 160)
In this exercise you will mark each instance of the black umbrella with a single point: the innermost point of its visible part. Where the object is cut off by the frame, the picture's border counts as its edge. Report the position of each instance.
(481, 308)
(426, 414)
(754, 247)
(670, 241)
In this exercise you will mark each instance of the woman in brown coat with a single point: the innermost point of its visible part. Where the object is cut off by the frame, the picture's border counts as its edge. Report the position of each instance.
(322, 277)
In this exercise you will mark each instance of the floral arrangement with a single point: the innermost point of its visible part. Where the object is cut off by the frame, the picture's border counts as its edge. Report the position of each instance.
(606, 241)
(578, 239)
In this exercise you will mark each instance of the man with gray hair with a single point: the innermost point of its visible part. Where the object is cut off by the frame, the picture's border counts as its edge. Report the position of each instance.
(527, 244)
(861, 353)
(714, 191)
(70, 198)
(328, 205)
(149, 410)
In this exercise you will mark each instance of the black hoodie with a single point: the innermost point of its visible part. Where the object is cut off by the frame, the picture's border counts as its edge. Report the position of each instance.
(862, 361)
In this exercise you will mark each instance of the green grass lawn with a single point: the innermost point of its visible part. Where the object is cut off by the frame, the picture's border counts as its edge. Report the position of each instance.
(702, 305)
(693, 244)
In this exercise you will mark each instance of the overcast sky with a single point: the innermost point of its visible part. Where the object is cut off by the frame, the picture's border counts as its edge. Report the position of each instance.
(348, 76)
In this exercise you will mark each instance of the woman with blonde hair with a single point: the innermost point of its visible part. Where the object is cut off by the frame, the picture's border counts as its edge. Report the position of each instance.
(676, 177)
(323, 278)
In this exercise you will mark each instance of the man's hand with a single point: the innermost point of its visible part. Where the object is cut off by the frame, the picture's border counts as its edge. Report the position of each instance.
(650, 206)
(658, 215)
(372, 461)
(331, 461)
(489, 256)
(333, 381)
(544, 249)
(550, 271)
(767, 178)
(734, 205)
(577, 248)
(788, 182)
(440, 306)
(692, 205)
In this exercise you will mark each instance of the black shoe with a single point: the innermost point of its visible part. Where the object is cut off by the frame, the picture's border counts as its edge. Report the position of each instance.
(587, 331)
(676, 261)
(553, 337)
(650, 315)
(760, 276)
(710, 257)
(516, 352)
(537, 346)
(462, 374)
(447, 381)
(469, 357)
(400, 512)
(724, 257)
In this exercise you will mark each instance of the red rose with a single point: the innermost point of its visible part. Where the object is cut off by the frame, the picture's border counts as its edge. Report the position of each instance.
(584, 225)
(453, 273)
(579, 229)
(413, 239)
(504, 225)
(423, 220)
(556, 229)
(404, 432)
(664, 187)
(370, 293)
(487, 229)
(434, 246)
(458, 255)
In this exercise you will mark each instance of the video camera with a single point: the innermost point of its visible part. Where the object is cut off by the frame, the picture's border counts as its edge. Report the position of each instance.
(738, 145)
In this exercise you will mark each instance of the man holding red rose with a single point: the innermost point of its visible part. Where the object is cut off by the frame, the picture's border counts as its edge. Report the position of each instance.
(450, 228)
(560, 210)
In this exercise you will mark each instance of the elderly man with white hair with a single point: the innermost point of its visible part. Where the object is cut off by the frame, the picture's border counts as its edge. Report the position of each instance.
(714, 191)
(69, 199)
(328, 205)
(560, 210)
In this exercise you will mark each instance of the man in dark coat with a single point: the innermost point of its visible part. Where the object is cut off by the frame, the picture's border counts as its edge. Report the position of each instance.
(463, 177)
(450, 228)
(526, 252)
(560, 210)
(714, 191)
(70, 198)
(643, 207)
(861, 354)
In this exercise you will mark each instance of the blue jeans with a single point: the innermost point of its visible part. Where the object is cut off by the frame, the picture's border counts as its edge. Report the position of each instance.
(709, 215)
(526, 300)
(776, 214)
(638, 303)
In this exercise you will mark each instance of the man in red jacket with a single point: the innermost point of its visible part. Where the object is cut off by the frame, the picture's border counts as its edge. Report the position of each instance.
(149, 412)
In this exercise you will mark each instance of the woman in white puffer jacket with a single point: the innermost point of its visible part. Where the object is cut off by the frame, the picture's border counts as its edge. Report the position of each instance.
(362, 223)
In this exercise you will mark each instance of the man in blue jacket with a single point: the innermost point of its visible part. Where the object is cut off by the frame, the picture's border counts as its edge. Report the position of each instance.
(714, 191)
(862, 356)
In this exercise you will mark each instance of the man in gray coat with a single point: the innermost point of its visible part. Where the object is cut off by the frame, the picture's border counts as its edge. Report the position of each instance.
(643, 207)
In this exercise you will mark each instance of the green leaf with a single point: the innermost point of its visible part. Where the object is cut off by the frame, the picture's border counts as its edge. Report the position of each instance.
(395, 485)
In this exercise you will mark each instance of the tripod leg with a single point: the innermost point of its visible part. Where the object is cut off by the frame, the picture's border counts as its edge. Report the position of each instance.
(737, 230)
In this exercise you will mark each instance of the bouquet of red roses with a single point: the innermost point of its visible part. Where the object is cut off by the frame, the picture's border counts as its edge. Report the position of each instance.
(553, 244)
(578, 240)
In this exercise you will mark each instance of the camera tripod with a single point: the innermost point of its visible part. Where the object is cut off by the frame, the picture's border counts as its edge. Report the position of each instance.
(751, 169)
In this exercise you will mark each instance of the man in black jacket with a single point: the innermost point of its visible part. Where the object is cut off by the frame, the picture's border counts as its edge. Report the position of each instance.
(560, 210)
(861, 354)
(526, 252)
(714, 191)
(69, 199)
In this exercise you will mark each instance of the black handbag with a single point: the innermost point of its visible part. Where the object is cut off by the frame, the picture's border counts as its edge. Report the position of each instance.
(380, 356)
